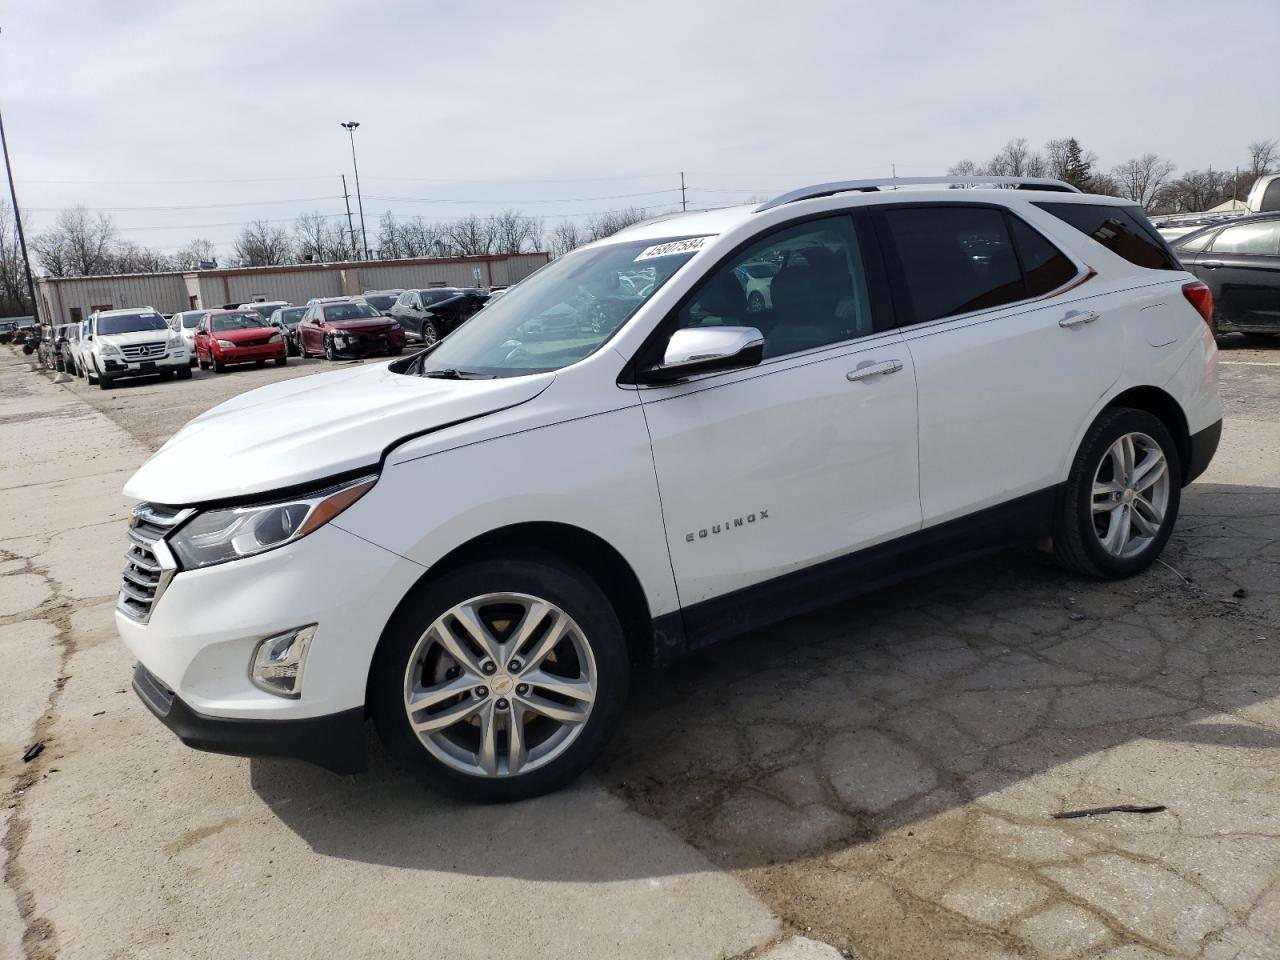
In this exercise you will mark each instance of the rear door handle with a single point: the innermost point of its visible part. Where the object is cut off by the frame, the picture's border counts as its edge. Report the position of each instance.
(1077, 318)
(870, 368)
(1211, 264)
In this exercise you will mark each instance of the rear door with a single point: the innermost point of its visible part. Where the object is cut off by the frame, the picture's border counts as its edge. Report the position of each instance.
(1010, 351)
(1242, 266)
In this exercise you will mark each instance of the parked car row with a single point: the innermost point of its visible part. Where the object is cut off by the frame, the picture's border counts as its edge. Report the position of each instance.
(112, 345)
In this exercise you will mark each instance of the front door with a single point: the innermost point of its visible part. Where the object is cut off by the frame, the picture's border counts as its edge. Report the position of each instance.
(806, 457)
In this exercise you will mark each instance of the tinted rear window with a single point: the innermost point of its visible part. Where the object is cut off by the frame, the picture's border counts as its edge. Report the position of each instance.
(1045, 266)
(1122, 230)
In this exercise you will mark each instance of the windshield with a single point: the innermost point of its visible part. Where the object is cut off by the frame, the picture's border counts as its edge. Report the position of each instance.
(237, 321)
(190, 320)
(562, 313)
(291, 316)
(379, 301)
(130, 323)
(350, 311)
(435, 296)
(265, 309)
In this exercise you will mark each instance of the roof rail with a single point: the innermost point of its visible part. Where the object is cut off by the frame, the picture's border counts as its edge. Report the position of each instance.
(871, 186)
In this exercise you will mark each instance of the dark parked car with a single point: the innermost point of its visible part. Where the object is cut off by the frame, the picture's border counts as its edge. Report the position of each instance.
(436, 312)
(68, 339)
(285, 319)
(348, 329)
(380, 300)
(1240, 262)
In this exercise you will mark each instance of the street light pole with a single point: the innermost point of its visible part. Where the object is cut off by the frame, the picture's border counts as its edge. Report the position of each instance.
(17, 220)
(350, 127)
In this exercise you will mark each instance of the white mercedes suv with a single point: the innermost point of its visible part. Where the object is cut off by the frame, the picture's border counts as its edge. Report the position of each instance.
(133, 342)
(623, 460)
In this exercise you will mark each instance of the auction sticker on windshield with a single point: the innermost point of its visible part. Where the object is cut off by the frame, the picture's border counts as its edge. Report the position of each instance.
(691, 245)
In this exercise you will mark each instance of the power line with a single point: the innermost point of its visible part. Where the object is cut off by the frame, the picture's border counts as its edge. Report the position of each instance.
(190, 206)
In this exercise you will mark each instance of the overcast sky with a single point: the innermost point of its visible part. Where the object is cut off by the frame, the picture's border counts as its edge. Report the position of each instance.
(230, 110)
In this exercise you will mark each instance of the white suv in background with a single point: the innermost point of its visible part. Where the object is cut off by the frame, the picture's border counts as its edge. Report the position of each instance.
(134, 342)
(473, 546)
(185, 324)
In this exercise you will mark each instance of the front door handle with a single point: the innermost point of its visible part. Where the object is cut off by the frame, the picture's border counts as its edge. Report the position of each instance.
(870, 368)
(1211, 264)
(1077, 318)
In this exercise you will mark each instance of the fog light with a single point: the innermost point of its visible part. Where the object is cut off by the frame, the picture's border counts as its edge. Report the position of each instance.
(278, 661)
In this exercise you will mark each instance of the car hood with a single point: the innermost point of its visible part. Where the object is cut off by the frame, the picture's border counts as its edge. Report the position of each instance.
(239, 336)
(138, 336)
(311, 428)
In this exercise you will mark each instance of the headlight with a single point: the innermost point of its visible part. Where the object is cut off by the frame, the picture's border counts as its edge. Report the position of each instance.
(110, 349)
(275, 338)
(217, 536)
(226, 344)
(394, 325)
(175, 339)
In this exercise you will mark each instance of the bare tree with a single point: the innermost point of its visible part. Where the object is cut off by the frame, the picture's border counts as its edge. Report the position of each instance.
(13, 278)
(130, 257)
(1262, 154)
(1142, 178)
(78, 244)
(262, 244)
(1197, 190)
(318, 240)
(1015, 159)
(965, 168)
(566, 236)
(513, 232)
(1105, 185)
(194, 253)
(470, 236)
(607, 224)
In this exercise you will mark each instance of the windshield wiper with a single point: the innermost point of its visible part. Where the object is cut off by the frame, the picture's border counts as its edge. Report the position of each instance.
(449, 373)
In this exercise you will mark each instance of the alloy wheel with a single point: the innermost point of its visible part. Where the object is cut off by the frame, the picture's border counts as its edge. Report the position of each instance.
(500, 685)
(1130, 495)
(429, 334)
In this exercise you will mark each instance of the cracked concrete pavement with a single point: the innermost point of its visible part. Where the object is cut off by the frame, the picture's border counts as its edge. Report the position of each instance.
(876, 780)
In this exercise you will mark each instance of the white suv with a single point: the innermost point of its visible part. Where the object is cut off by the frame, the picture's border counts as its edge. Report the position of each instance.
(134, 342)
(474, 545)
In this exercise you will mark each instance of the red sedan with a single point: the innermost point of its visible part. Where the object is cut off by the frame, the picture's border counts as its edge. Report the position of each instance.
(348, 329)
(224, 337)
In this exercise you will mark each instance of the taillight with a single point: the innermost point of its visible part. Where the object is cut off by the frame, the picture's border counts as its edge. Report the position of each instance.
(1201, 297)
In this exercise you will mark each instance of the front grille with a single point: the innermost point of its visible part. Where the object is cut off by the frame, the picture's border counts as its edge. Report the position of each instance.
(253, 343)
(143, 351)
(148, 564)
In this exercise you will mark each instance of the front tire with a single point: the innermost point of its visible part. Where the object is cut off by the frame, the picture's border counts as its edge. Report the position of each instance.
(1121, 499)
(282, 361)
(105, 382)
(329, 352)
(500, 680)
(430, 335)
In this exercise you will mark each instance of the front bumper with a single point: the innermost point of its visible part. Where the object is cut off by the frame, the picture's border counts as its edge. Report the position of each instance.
(174, 360)
(335, 742)
(203, 630)
(265, 351)
(367, 346)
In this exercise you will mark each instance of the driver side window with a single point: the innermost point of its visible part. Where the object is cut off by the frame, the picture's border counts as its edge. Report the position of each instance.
(803, 287)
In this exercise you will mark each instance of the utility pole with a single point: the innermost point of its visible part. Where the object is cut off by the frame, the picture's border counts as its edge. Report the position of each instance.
(350, 127)
(17, 221)
(684, 206)
(351, 227)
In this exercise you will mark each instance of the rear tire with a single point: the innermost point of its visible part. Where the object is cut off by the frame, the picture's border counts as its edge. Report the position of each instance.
(1114, 519)
(400, 663)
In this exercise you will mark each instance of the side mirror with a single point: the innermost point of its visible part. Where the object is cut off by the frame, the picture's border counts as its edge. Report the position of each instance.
(696, 350)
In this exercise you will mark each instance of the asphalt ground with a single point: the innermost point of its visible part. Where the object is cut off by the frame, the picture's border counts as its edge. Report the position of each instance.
(878, 779)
